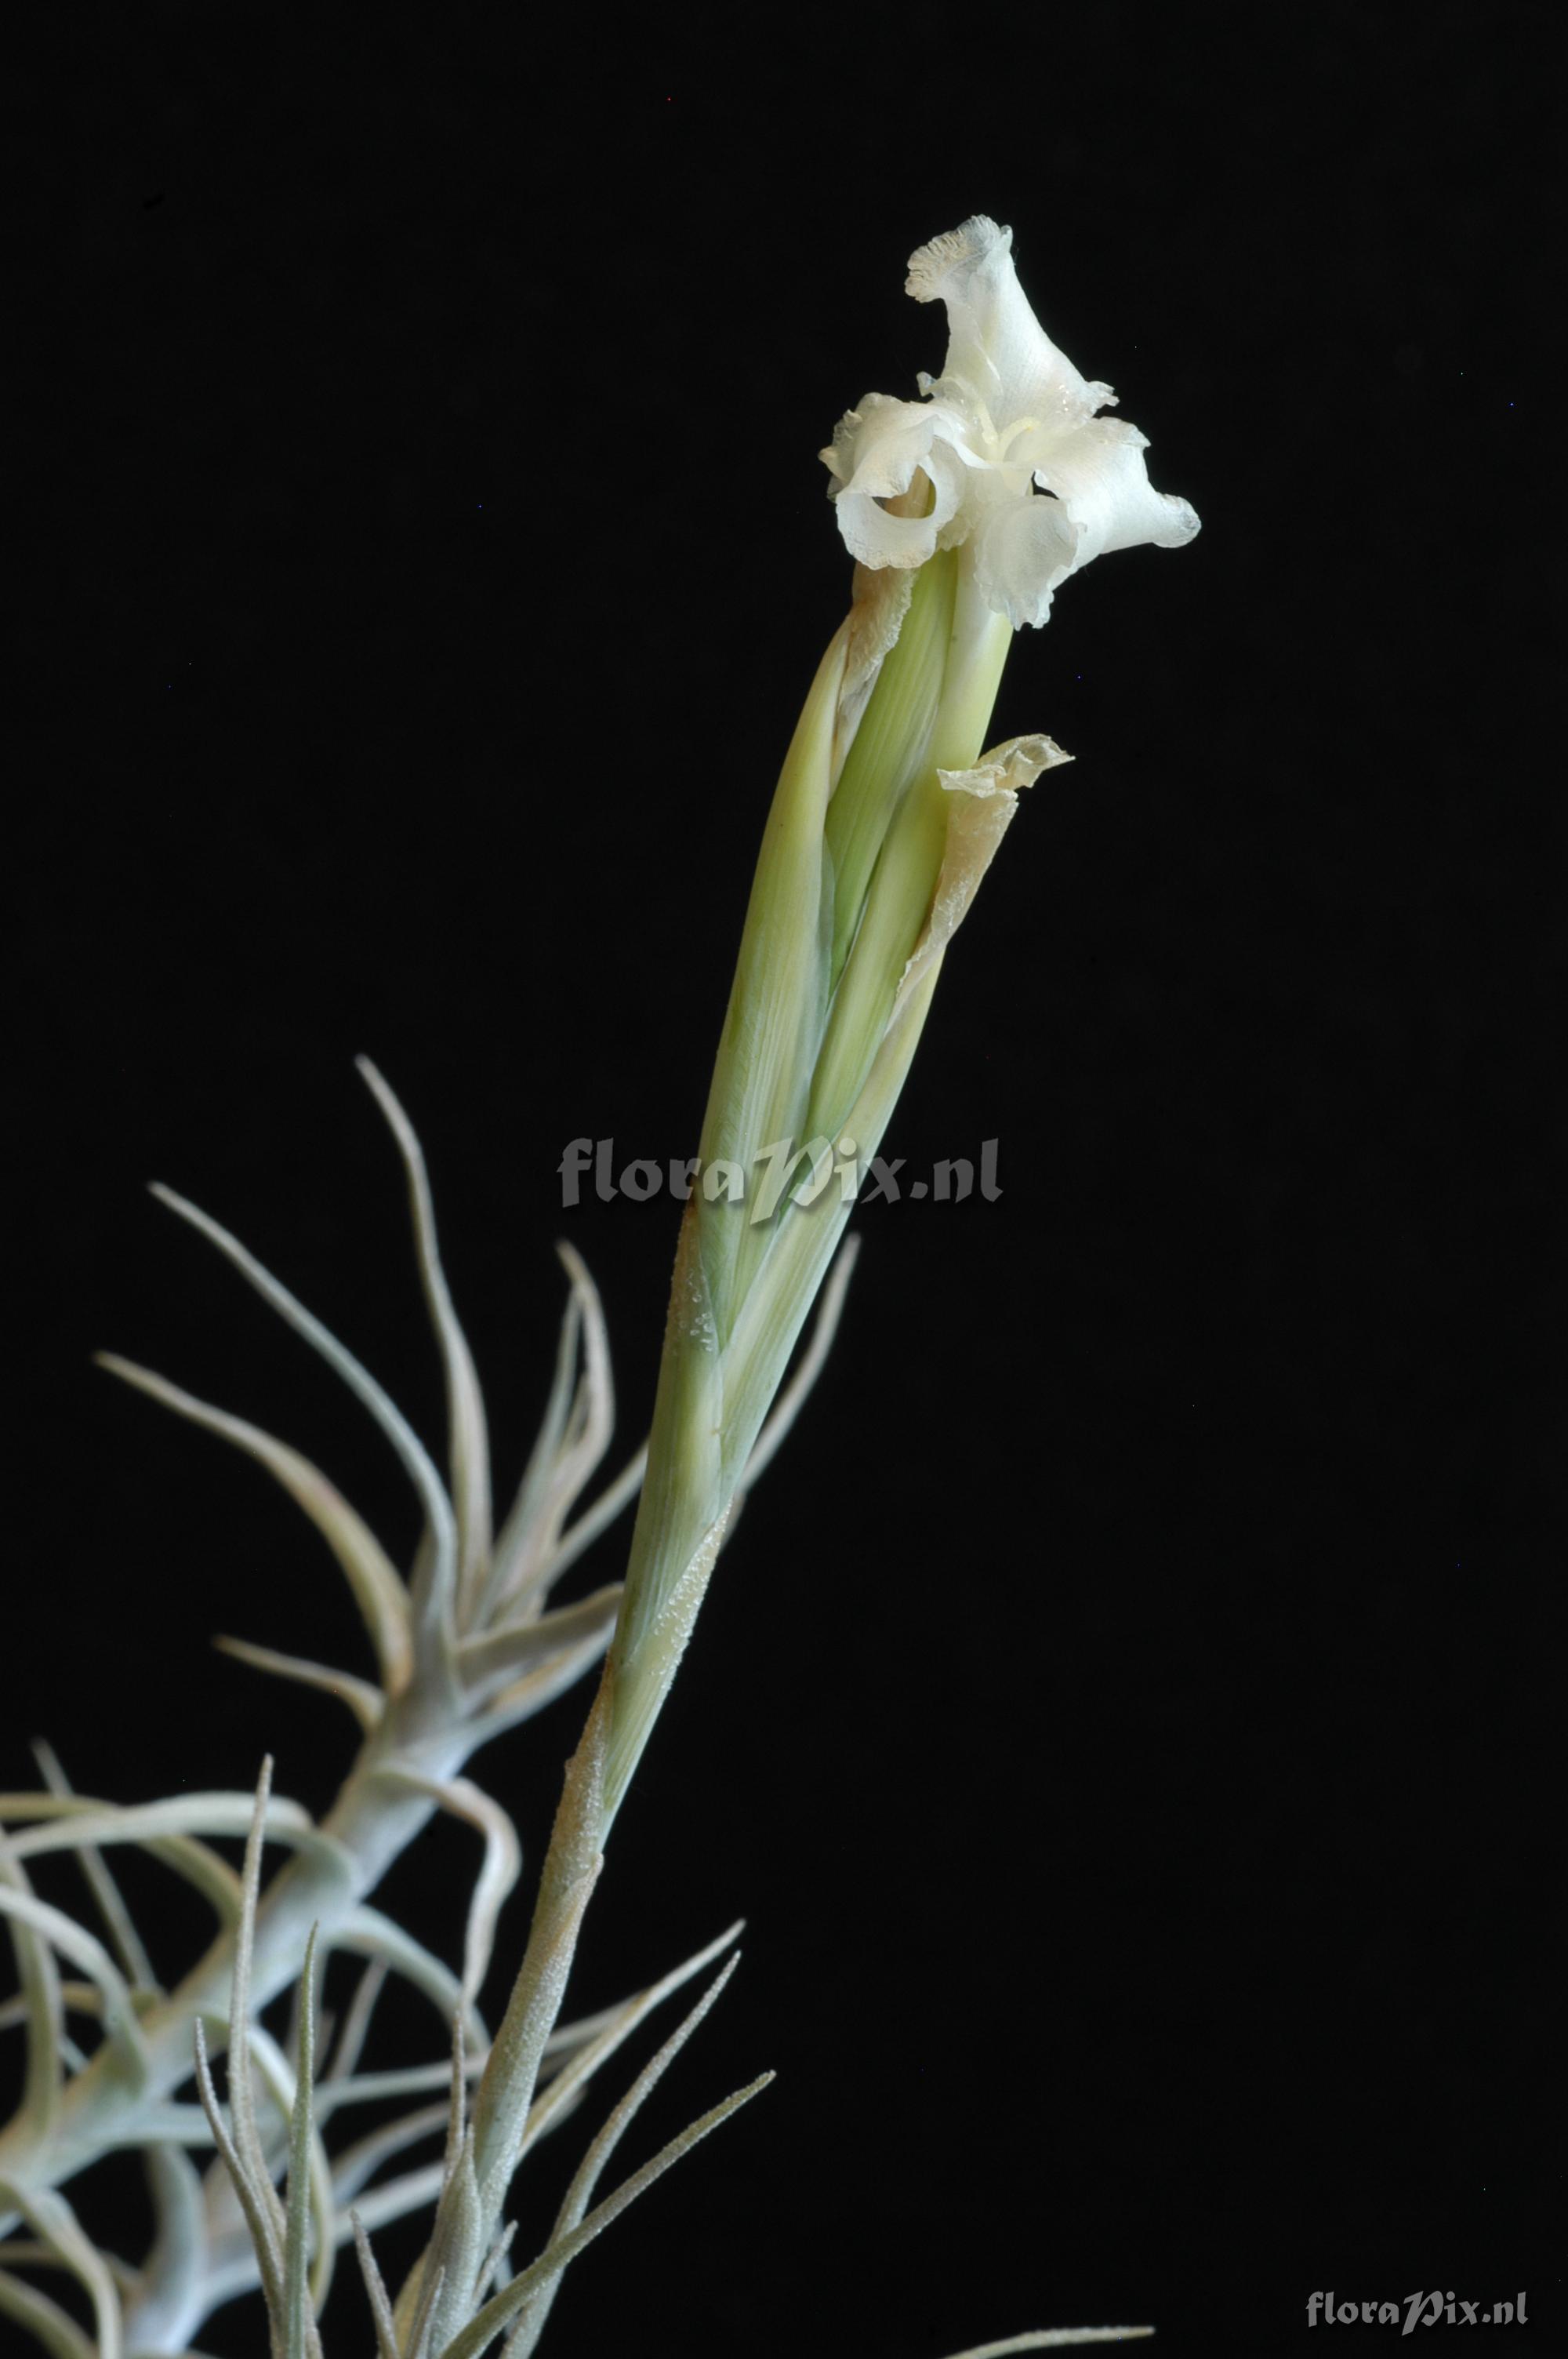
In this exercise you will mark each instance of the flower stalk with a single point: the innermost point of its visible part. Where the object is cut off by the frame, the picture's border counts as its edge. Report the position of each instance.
(965, 511)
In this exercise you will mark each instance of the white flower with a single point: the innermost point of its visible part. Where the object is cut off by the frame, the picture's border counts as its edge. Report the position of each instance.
(1023, 471)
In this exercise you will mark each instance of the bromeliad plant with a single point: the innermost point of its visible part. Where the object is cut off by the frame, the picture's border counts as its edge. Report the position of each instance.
(965, 511)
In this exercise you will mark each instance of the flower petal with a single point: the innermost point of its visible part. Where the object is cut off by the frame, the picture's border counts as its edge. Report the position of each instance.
(1024, 549)
(873, 457)
(1100, 475)
(1009, 418)
(995, 343)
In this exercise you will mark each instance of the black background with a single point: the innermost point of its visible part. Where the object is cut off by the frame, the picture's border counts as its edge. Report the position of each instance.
(1126, 1717)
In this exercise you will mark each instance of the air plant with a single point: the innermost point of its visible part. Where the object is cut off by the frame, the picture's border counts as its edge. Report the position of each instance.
(965, 510)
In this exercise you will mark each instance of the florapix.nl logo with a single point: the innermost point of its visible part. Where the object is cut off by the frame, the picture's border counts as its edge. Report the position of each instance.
(823, 1170)
(1415, 2310)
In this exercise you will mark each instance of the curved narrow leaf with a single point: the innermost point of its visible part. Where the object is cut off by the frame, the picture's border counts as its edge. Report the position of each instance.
(211, 1875)
(214, 1813)
(64, 1935)
(410, 1449)
(612, 1502)
(371, 2088)
(503, 2307)
(41, 2000)
(485, 1663)
(167, 2305)
(357, 2164)
(453, 2260)
(356, 2024)
(395, 2201)
(378, 1592)
(500, 1869)
(1055, 2337)
(621, 2022)
(530, 1695)
(376, 2288)
(241, 2098)
(369, 1934)
(570, 1445)
(296, 2216)
(252, 2201)
(365, 1702)
(277, 2234)
(49, 2324)
(454, 2240)
(79, 1999)
(592, 1419)
(50, 2216)
(579, 2193)
(467, 1441)
(134, 1964)
(512, 1556)
(282, 2087)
